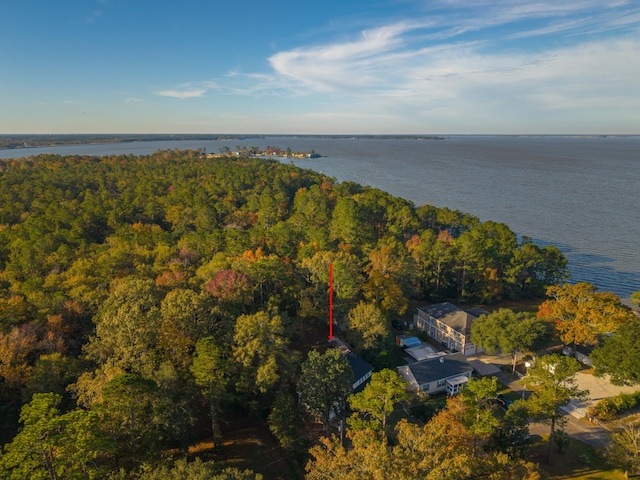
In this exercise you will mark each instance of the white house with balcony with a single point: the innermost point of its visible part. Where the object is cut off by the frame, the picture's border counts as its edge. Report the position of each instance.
(450, 326)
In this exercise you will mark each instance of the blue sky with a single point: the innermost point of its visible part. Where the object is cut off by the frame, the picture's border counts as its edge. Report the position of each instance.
(344, 67)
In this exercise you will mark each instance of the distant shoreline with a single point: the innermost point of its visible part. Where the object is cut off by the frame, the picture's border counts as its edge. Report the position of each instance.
(25, 141)
(19, 142)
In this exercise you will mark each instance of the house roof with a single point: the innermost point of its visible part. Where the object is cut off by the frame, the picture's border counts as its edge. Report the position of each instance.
(585, 349)
(434, 369)
(453, 316)
(461, 380)
(359, 367)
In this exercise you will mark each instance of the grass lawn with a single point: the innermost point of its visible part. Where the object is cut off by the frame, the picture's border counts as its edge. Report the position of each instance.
(578, 462)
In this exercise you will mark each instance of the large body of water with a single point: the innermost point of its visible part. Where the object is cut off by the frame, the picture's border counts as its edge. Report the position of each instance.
(578, 193)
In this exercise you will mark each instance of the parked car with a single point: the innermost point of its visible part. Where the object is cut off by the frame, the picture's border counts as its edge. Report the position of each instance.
(503, 401)
(396, 324)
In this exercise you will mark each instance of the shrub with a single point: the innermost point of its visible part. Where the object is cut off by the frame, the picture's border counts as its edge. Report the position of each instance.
(609, 408)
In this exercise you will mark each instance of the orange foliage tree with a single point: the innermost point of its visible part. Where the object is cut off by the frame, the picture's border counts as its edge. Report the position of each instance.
(580, 313)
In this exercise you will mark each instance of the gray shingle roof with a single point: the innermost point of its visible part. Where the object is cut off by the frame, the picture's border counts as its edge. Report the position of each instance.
(453, 316)
(360, 367)
(430, 370)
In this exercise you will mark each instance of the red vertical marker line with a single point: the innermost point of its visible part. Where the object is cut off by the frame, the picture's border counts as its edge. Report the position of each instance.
(331, 301)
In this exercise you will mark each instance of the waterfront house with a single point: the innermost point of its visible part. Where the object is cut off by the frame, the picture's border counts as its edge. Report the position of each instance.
(450, 326)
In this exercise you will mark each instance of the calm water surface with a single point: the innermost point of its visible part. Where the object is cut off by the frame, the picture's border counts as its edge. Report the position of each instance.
(578, 193)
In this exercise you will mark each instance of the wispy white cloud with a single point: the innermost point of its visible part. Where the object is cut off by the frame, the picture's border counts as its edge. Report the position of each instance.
(182, 94)
(485, 59)
(341, 64)
(132, 100)
(424, 66)
(585, 25)
(189, 90)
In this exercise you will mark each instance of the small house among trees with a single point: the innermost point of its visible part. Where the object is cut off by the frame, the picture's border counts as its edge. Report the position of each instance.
(361, 370)
(449, 373)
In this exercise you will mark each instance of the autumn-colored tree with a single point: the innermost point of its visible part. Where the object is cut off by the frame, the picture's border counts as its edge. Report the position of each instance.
(389, 259)
(580, 313)
(441, 449)
(171, 278)
(231, 287)
(21, 347)
(386, 294)
(367, 459)
(501, 466)
(16, 348)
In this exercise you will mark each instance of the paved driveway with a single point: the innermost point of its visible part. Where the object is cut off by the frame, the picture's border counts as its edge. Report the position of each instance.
(598, 388)
(483, 368)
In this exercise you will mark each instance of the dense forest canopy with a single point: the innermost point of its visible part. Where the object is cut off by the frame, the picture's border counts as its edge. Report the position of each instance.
(149, 287)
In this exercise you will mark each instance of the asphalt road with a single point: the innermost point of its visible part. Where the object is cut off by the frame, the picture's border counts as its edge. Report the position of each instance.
(592, 435)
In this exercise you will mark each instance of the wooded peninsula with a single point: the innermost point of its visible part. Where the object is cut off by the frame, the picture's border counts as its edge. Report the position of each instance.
(156, 310)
